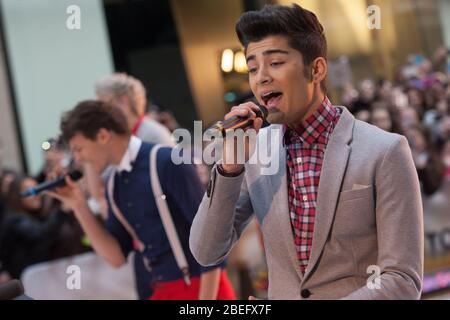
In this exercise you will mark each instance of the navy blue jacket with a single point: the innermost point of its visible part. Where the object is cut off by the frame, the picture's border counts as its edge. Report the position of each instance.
(133, 195)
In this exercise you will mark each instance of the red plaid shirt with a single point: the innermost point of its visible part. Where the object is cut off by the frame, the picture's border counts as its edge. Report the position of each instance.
(305, 146)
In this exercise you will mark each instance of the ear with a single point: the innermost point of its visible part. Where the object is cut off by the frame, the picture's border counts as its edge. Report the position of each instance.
(319, 70)
(103, 136)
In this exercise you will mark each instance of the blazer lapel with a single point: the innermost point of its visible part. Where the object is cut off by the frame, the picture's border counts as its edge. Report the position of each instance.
(333, 171)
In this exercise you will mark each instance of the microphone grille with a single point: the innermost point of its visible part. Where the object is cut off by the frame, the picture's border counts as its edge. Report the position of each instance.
(75, 175)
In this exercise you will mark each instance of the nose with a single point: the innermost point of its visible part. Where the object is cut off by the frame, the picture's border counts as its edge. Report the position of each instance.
(263, 76)
(77, 157)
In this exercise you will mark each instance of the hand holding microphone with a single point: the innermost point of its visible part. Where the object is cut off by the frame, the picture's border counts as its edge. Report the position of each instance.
(238, 121)
(52, 184)
(244, 116)
(67, 190)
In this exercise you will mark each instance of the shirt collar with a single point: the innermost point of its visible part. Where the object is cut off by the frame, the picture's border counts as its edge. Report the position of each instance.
(314, 126)
(130, 155)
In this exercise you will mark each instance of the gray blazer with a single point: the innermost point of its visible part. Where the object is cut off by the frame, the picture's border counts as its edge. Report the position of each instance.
(368, 213)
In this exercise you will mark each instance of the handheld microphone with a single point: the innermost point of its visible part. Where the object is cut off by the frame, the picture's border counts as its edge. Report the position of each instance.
(11, 289)
(48, 185)
(239, 122)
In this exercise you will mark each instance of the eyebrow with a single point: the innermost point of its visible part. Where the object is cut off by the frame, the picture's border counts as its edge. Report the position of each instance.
(267, 53)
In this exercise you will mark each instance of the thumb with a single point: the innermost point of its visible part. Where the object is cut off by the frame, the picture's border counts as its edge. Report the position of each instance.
(69, 182)
(257, 124)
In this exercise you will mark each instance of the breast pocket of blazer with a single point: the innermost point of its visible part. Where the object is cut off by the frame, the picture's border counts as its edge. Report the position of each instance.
(355, 212)
(360, 193)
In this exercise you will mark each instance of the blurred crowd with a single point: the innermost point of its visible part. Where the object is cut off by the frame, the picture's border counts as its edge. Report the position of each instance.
(35, 229)
(416, 104)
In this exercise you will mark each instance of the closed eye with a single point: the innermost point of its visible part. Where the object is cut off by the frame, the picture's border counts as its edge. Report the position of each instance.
(277, 63)
(252, 70)
(273, 64)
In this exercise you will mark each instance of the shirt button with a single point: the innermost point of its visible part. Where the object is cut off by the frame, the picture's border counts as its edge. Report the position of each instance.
(129, 204)
(126, 181)
(149, 246)
(138, 225)
(305, 198)
(305, 293)
(299, 160)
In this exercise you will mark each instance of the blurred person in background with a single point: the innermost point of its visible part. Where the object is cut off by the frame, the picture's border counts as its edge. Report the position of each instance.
(366, 96)
(443, 134)
(399, 99)
(447, 91)
(363, 115)
(163, 116)
(382, 117)
(433, 117)
(97, 133)
(439, 58)
(2, 200)
(384, 91)
(6, 179)
(445, 155)
(426, 158)
(349, 96)
(19, 237)
(129, 95)
(30, 235)
(436, 91)
(408, 118)
(437, 209)
(56, 159)
(416, 100)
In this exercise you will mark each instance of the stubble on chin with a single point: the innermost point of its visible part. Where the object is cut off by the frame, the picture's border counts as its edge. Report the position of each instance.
(276, 116)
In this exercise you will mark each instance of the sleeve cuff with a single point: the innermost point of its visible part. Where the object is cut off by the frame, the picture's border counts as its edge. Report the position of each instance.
(222, 172)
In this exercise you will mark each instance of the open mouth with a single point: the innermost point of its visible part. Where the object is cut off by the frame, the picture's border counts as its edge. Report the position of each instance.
(270, 98)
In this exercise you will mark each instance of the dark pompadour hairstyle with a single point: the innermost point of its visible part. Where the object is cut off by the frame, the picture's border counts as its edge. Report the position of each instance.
(301, 27)
(88, 117)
